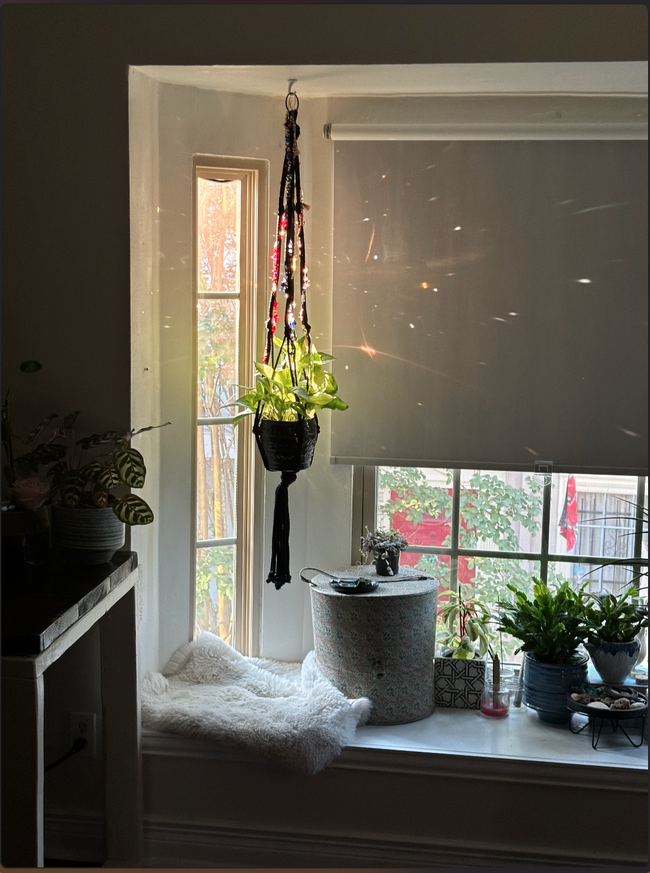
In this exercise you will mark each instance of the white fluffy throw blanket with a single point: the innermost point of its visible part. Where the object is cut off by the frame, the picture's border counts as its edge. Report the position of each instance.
(290, 712)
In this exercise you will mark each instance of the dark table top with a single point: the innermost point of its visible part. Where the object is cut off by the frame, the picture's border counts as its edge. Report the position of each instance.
(40, 603)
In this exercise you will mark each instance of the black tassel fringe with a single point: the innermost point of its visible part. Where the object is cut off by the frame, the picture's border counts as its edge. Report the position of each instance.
(279, 573)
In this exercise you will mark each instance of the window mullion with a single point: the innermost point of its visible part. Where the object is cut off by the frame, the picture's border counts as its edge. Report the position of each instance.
(455, 525)
(638, 524)
(546, 524)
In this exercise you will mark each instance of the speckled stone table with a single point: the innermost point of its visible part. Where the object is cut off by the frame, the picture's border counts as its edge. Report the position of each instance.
(45, 610)
(379, 645)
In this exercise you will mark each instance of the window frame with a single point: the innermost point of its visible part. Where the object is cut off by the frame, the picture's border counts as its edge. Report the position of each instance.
(364, 514)
(253, 175)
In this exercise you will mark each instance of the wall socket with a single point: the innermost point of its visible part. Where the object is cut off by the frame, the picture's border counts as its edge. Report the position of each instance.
(84, 725)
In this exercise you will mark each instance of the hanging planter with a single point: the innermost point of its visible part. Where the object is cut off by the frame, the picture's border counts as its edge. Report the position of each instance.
(286, 446)
(292, 385)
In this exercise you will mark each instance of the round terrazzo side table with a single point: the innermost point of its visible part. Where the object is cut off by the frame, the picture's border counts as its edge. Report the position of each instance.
(379, 645)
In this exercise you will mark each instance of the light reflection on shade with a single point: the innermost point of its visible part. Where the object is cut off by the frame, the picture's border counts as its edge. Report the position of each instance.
(584, 281)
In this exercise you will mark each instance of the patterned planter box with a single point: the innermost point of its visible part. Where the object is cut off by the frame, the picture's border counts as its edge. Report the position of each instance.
(459, 683)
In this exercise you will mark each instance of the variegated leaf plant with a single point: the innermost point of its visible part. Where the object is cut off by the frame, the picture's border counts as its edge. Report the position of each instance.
(78, 480)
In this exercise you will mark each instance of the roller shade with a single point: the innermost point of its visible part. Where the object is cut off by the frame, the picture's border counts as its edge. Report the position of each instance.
(490, 304)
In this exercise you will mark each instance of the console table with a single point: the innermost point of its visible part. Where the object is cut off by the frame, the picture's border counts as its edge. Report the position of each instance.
(45, 610)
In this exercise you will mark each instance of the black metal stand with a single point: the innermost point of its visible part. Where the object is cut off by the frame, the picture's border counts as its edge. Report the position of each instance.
(616, 725)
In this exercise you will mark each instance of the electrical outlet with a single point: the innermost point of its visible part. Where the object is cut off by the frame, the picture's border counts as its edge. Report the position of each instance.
(84, 725)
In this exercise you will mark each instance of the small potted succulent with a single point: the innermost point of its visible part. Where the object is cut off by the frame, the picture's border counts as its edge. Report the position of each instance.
(386, 547)
(614, 624)
(285, 401)
(88, 478)
(551, 627)
(466, 639)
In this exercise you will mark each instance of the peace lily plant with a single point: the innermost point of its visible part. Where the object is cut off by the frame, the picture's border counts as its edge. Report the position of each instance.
(279, 399)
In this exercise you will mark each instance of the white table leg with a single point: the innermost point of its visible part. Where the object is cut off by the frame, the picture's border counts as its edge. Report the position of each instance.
(22, 770)
(121, 720)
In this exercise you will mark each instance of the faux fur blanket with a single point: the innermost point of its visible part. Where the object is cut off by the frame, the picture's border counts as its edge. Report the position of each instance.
(290, 712)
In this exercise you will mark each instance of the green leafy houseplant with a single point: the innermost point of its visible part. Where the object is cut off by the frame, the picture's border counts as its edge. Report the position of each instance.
(550, 625)
(87, 472)
(281, 397)
(383, 543)
(614, 619)
(467, 631)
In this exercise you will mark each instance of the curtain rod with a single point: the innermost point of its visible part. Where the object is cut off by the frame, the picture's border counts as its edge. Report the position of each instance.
(637, 130)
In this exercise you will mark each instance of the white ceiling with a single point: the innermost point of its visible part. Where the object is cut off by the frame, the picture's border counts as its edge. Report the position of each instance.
(614, 77)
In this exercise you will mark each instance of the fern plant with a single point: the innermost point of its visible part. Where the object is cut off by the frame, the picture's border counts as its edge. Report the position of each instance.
(88, 471)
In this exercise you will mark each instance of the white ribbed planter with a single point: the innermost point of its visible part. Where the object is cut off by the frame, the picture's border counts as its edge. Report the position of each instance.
(86, 535)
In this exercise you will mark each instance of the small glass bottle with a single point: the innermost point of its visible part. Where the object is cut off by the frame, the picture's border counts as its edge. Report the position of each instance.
(495, 703)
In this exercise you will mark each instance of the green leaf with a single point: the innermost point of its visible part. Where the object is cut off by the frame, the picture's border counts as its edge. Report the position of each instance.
(72, 488)
(132, 509)
(30, 366)
(98, 439)
(264, 369)
(130, 467)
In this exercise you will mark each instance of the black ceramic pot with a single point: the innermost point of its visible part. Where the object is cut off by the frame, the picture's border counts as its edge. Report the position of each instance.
(388, 566)
(286, 446)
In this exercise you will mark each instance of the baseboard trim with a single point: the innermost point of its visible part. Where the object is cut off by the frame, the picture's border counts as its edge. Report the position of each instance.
(191, 845)
(75, 836)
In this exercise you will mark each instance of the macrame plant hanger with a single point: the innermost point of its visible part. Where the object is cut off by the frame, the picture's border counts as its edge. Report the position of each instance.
(286, 446)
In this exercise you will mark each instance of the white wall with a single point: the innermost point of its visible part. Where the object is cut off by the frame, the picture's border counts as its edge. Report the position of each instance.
(193, 121)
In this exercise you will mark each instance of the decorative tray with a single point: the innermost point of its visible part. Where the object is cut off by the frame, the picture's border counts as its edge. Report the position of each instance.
(602, 698)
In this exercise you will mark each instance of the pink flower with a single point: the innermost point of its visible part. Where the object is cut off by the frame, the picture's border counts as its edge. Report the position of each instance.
(30, 493)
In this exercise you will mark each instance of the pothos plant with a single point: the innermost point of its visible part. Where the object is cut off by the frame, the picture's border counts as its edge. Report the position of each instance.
(86, 472)
(283, 395)
(466, 621)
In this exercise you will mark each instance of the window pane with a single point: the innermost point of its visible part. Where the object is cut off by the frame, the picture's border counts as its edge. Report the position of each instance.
(417, 502)
(216, 485)
(500, 511)
(218, 221)
(592, 515)
(218, 342)
(490, 579)
(215, 577)
(610, 579)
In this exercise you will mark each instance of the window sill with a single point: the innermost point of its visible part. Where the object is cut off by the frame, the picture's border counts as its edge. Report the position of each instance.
(465, 743)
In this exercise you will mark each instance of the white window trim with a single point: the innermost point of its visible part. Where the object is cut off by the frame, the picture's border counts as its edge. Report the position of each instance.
(253, 175)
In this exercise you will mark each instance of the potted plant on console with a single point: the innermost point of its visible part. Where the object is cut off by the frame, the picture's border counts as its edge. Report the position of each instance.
(465, 640)
(551, 626)
(386, 547)
(88, 479)
(614, 624)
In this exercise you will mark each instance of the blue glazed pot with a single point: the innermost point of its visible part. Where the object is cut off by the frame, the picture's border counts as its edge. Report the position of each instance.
(614, 661)
(546, 687)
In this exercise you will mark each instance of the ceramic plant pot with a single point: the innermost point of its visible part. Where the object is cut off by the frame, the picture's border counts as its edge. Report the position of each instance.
(546, 686)
(86, 535)
(286, 446)
(614, 661)
(388, 566)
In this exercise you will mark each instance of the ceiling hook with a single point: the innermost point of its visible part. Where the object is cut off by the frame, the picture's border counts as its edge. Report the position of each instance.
(291, 100)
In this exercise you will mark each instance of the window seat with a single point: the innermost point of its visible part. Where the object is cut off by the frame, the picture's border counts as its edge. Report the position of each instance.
(463, 738)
